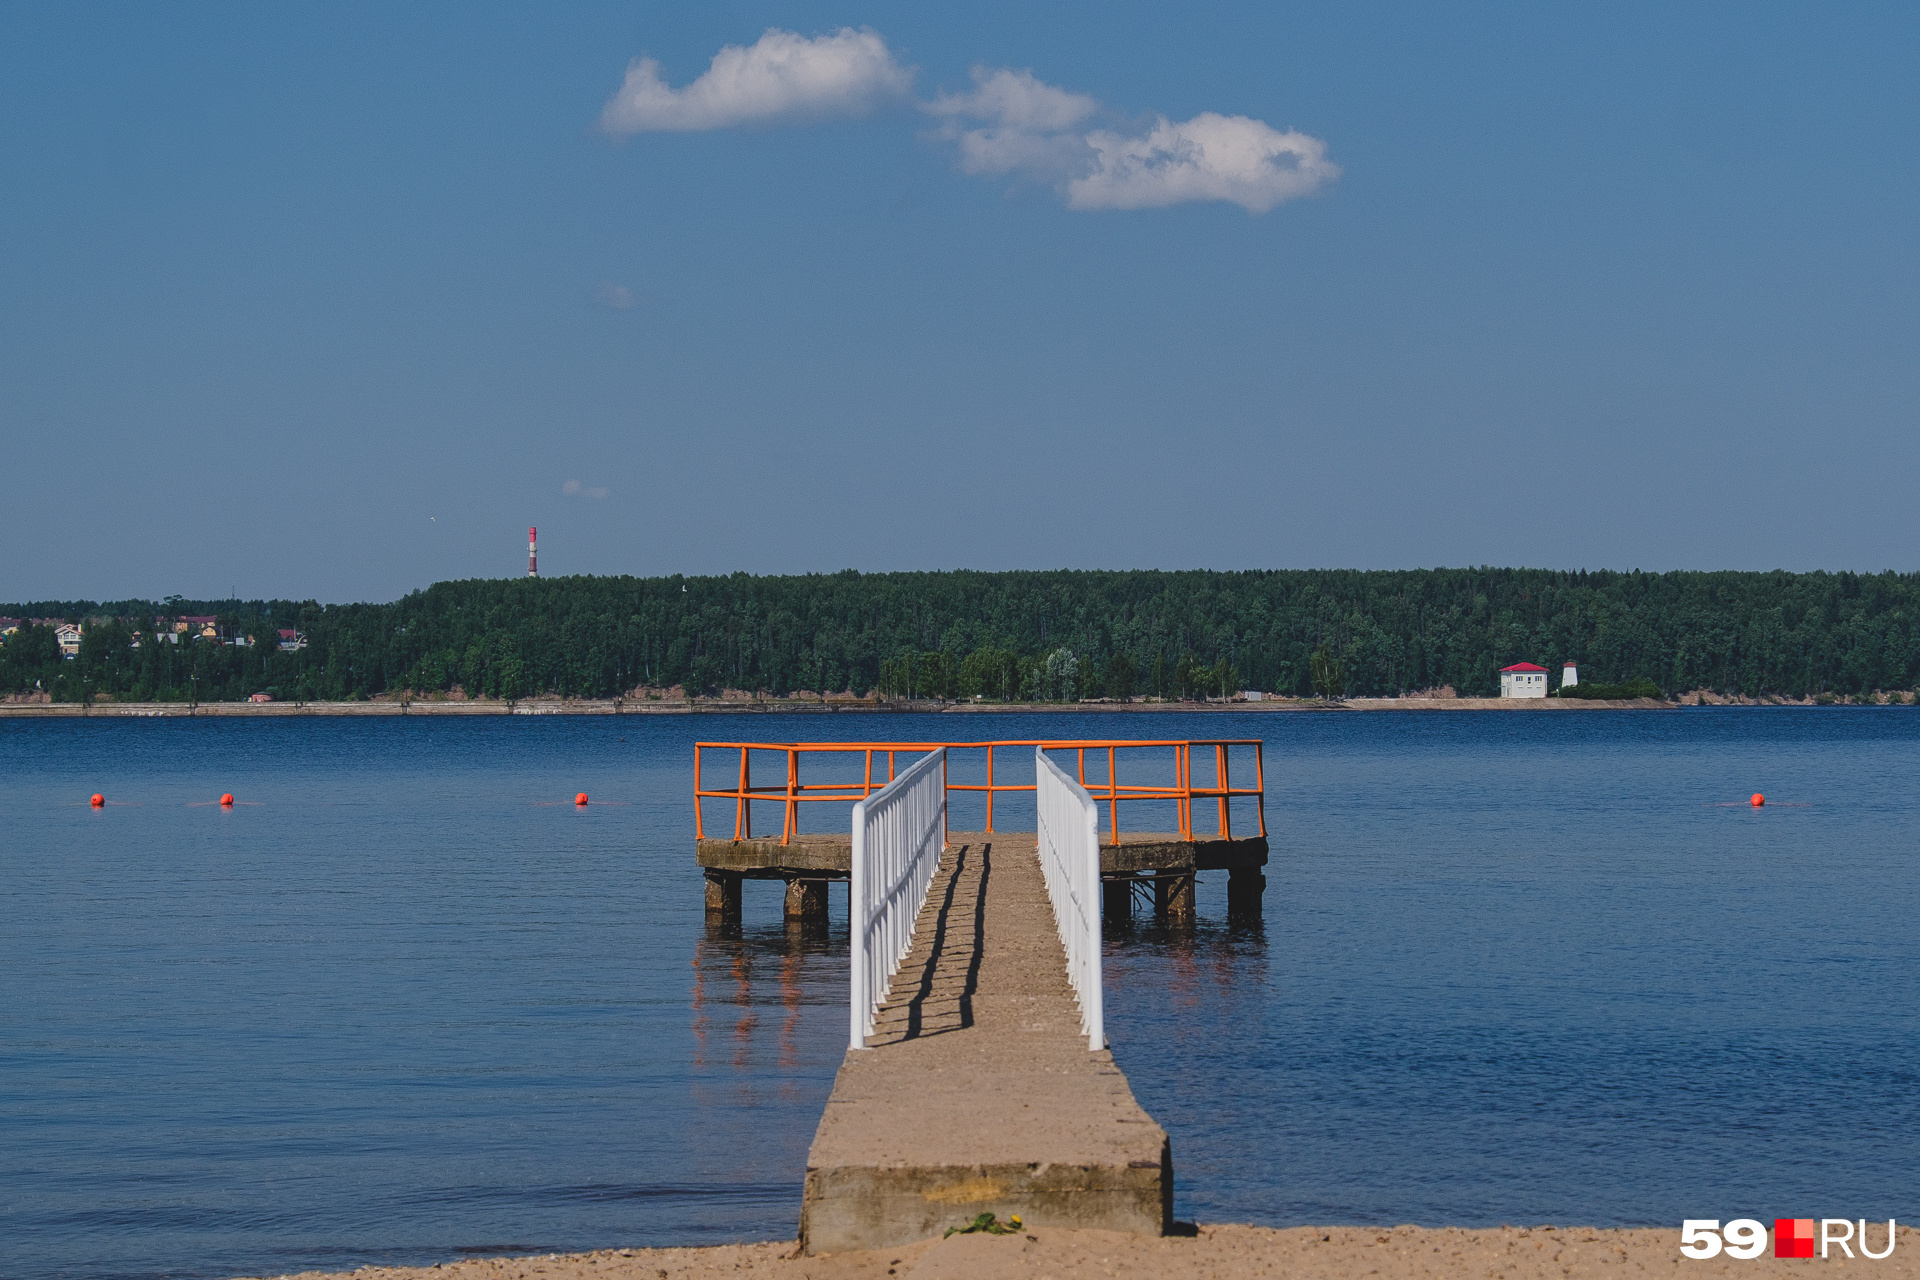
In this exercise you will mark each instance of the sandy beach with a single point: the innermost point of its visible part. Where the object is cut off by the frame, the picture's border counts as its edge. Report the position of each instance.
(1224, 1252)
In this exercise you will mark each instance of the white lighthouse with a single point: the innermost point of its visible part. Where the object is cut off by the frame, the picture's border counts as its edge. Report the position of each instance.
(1569, 676)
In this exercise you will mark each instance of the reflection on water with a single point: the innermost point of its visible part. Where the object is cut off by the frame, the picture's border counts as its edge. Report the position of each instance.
(796, 964)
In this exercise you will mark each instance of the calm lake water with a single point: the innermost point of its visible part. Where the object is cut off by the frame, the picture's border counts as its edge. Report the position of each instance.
(406, 1002)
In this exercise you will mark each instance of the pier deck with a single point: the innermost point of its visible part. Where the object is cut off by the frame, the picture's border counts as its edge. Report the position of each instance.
(978, 1093)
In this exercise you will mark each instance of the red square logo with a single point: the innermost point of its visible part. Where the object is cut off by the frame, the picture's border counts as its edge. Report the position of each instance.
(1793, 1237)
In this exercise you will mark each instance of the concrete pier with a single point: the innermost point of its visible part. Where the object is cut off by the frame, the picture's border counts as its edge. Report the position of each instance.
(806, 865)
(1160, 863)
(978, 1093)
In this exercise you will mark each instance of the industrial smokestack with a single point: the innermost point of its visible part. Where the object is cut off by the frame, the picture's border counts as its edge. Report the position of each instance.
(533, 562)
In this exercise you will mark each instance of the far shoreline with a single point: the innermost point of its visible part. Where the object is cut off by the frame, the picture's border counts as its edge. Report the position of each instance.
(790, 706)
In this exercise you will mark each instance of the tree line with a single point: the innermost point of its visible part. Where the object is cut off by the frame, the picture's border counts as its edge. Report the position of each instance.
(1054, 635)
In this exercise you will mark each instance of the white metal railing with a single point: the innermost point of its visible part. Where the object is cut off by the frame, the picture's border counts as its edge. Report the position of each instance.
(898, 833)
(1069, 826)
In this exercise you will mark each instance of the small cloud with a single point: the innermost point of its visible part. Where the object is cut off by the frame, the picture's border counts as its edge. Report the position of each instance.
(782, 75)
(614, 297)
(1017, 100)
(570, 487)
(1024, 124)
(1210, 157)
(574, 489)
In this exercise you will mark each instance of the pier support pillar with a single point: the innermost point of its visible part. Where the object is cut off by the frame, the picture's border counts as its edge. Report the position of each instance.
(806, 900)
(723, 897)
(1173, 897)
(1245, 885)
(1116, 901)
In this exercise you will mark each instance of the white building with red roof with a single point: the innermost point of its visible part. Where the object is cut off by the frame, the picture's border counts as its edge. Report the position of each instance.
(1523, 680)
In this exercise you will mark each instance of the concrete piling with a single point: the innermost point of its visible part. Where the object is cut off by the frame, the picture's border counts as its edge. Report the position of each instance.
(1173, 897)
(1245, 888)
(723, 897)
(806, 900)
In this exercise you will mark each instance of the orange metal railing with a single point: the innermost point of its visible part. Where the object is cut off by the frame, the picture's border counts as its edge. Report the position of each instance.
(790, 793)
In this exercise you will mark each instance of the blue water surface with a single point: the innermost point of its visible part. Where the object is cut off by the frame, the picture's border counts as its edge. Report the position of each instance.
(406, 1001)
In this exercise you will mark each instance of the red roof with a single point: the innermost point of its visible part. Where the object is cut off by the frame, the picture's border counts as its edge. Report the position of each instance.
(1570, 662)
(1521, 666)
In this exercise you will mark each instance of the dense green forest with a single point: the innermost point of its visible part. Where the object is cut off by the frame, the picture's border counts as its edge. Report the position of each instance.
(1016, 635)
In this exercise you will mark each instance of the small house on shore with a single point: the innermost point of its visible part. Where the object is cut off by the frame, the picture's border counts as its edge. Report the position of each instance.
(1523, 680)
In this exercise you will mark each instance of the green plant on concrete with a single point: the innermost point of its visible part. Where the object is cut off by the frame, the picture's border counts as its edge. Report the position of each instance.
(987, 1223)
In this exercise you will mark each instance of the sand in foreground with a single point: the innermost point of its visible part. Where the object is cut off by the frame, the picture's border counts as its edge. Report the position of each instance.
(1227, 1252)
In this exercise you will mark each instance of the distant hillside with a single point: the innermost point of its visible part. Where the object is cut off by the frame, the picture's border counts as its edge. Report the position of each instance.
(1050, 634)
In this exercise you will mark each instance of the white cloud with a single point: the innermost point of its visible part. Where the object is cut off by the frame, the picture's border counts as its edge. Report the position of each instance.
(782, 75)
(1028, 126)
(1210, 157)
(1025, 120)
(1010, 122)
(574, 489)
(1016, 99)
(615, 297)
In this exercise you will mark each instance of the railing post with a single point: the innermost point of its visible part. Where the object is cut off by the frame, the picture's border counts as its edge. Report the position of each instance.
(1260, 781)
(788, 830)
(1226, 799)
(1113, 793)
(742, 816)
(857, 917)
(1181, 780)
(989, 788)
(699, 823)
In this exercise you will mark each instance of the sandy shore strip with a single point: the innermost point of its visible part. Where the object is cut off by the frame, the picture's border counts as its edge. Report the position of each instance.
(1225, 1252)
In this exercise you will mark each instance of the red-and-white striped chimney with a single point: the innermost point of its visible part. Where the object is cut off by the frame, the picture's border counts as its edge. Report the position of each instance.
(533, 560)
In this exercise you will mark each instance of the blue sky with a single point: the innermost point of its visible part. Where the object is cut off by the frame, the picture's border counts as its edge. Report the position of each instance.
(336, 301)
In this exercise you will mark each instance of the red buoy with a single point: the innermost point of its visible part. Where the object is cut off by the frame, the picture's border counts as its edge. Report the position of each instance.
(226, 801)
(99, 801)
(1757, 800)
(581, 798)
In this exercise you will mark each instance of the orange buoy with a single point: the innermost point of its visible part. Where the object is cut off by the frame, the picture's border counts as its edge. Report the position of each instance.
(99, 801)
(226, 801)
(581, 798)
(1757, 800)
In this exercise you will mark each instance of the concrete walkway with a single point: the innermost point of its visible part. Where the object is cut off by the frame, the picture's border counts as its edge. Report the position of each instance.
(978, 1093)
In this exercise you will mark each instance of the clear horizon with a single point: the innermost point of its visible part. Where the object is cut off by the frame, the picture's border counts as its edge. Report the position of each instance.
(334, 306)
